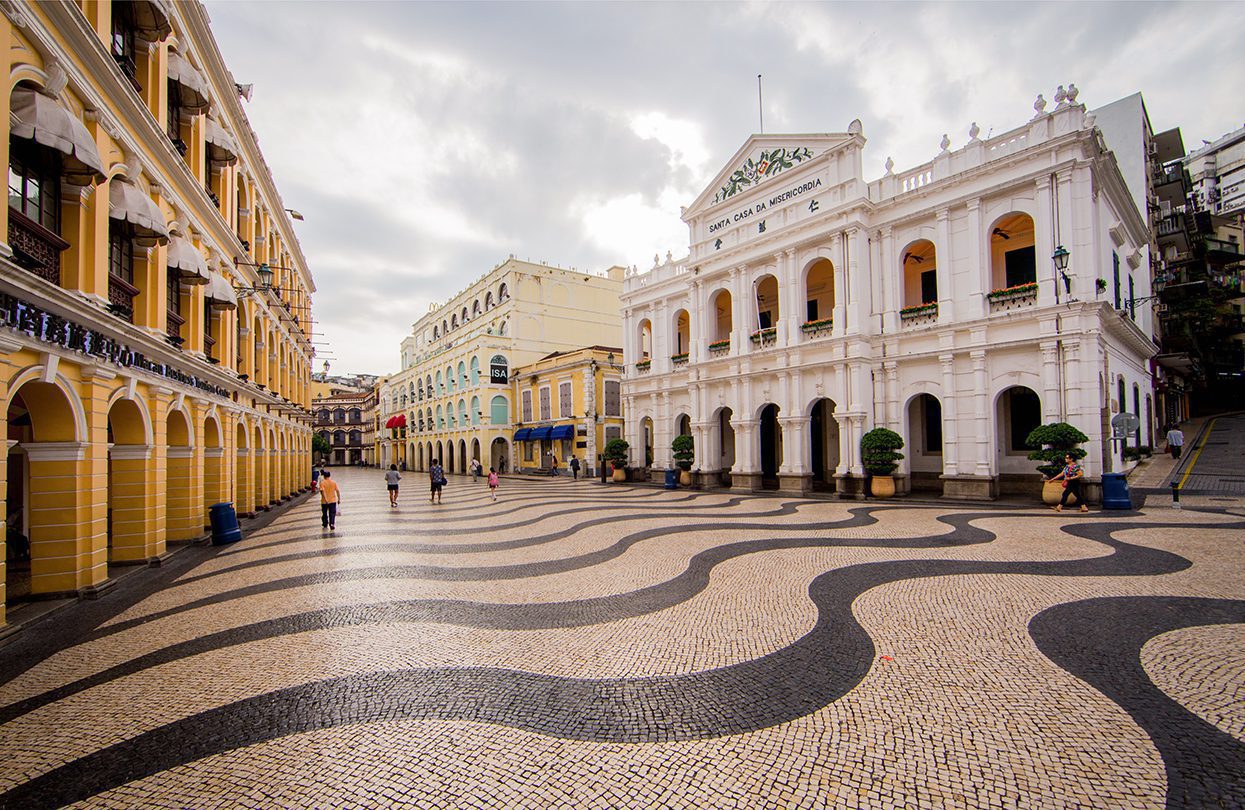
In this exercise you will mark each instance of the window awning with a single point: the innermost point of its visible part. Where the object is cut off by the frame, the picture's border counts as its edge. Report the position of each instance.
(151, 19)
(563, 432)
(221, 146)
(185, 257)
(522, 434)
(128, 203)
(221, 292)
(39, 118)
(399, 420)
(195, 94)
(390, 422)
(540, 434)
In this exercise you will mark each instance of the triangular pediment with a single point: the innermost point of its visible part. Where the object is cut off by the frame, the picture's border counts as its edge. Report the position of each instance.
(763, 159)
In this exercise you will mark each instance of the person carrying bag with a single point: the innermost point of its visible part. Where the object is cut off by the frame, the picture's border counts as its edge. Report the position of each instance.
(437, 477)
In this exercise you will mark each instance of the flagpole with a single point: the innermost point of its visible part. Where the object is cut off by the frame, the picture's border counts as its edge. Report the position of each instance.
(760, 106)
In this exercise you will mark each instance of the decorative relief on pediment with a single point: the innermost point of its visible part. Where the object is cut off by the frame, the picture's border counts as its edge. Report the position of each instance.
(768, 163)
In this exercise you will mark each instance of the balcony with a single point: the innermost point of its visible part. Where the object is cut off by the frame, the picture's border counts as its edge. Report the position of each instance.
(819, 328)
(174, 329)
(121, 297)
(919, 315)
(678, 359)
(644, 366)
(764, 338)
(719, 347)
(1009, 298)
(35, 247)
(1221, 251)
(1172, 184)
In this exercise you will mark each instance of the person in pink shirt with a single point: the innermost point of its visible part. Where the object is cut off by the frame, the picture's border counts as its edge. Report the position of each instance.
(492, 482)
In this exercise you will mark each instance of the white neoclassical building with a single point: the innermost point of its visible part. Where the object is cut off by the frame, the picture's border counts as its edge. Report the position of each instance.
(815, 305)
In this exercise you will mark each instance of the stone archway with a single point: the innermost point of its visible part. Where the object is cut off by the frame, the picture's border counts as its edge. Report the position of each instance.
(131, 486)
(183, 504)
(823, 445)
(244, 501)
(770, 438)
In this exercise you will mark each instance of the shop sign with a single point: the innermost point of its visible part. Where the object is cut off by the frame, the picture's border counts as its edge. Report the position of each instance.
(66, 334)
(498, 374)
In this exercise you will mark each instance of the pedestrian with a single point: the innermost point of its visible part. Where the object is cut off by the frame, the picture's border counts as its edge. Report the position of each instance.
(476, 469)
(1071, 476)
(437, 477)
(330, 499)
(315, 478)
(391, 481)
(553, 459)
(493, 482)
(574, 465)
(1175, 440)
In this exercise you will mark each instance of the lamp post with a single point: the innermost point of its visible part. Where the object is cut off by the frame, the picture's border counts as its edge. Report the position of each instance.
(1060, 258)
(294, 214)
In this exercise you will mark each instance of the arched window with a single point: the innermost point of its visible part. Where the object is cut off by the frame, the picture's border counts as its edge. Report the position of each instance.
(920, 274)
(767, 303)
(356, 415)
(503, 293)
(403, 400)
(436, 332)
(646, 340)
(420, 390)
(462, 413)
(339, 415)
(440, 418)
(488, 301)
(475, 371)
(499, 370)
(324, 415)
(819, 292)
(356, 437)
(454, 321)
(412, 388)
(339, 437)
(501, 329)
(428, 385)
(462, 374)
(464, 318)
(440, 385)
(1013, 261)
(499, 411)
(449, 378)
(720, 313)
(475, 410)
(682, 333)
(475, 308)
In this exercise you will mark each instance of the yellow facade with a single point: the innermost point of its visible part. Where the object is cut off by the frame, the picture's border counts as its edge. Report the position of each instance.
(575, 397)
(146, 369)
(454, 392)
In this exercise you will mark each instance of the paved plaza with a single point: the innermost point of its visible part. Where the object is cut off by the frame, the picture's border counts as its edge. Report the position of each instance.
(584, 646)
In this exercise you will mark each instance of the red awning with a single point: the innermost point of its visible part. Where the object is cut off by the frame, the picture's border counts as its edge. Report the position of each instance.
(391, 422)
(399, 420)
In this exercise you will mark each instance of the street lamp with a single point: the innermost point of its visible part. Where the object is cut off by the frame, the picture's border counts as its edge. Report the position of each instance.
(1060, 258)
(294, 214)
(263, 272)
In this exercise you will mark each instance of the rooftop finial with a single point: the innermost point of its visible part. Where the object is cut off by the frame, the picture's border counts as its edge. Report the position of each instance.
(974, 131)
(1072, 93)
(946, 142)
(890, 165)
(1061, 97)
(1039, 106)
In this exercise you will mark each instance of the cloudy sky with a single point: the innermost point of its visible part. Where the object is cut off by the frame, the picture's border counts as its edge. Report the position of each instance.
(426, 142)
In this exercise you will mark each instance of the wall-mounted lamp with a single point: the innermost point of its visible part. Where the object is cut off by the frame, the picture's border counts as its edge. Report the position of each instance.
(1060, 258)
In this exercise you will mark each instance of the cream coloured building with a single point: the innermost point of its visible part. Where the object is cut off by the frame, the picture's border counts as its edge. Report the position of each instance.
(815, 304)
(453, 398)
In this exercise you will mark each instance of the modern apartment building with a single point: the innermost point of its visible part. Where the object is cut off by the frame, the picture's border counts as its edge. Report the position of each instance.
(155, 353)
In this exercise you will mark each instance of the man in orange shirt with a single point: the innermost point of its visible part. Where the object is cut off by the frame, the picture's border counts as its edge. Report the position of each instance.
(330, 497)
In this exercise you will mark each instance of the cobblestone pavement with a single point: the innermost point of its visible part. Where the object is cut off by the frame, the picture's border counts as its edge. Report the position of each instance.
(581, 646)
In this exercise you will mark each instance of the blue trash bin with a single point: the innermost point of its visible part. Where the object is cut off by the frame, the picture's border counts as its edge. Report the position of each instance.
(1115, 493)
(224, 522)
(672, 479)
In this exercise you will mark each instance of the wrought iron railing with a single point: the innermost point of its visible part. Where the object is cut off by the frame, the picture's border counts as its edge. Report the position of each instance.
(35, 247)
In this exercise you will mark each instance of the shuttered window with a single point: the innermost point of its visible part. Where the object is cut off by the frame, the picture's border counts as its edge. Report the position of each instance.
(546, 410)
(527, 406)
(564, 400)
(613, 398)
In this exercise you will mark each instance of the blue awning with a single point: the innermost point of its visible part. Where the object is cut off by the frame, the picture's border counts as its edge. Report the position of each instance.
(563, 432)
(540, 434)
(522, 434)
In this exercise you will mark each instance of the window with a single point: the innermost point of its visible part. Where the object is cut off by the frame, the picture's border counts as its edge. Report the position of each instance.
(123, 41)
(613, 398)
(929, 286)
(121, 289)
(173, 126)
(499, 411)
(1121, 405)
(475, 371)
(1021, 266)
(35, 183)
(546, 410)
(1132, 298)
(1115, 266)
(527, 406)
(812, 310)
(612, 432)
(565, 403)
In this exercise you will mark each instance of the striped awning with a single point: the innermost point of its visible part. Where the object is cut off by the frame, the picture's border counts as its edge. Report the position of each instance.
(185, 257)
(39, 118)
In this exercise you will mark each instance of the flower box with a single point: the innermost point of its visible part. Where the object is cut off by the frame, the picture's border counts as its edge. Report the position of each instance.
(720, 345)
(1016, 291)
(821, 325)
(644, 365)
(678, 359)
(764, 337)
(919, 310)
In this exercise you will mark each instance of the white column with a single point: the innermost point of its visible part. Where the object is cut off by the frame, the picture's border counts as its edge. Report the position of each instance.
(845, 444)
(661, 341)
(981, 402)
(943, 265)
(978, 267)
(739, 334)
(950, 417)
(697, 328)
(892, 282)
(857, 284)
(1050, 381)
(795, 446)
(838, 258)
(794, 311)
(663, 433)
(749, 302)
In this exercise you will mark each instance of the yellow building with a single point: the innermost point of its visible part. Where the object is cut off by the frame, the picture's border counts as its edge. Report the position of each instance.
(452, 400)
(155, 353)
(569, 405)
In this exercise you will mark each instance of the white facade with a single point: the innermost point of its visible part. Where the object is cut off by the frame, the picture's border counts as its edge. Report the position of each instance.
(791, 309)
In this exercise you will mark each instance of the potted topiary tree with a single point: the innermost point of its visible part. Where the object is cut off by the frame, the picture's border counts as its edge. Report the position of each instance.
(684, 453)
(877, 450)
(1053, 442)
(616, 452)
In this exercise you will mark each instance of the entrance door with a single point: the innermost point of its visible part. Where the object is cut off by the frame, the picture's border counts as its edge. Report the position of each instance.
(771, 451)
